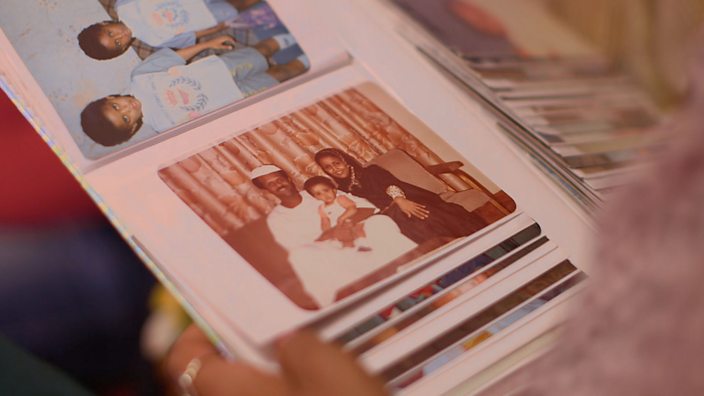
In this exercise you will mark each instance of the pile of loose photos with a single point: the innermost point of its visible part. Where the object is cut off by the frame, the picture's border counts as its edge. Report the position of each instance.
(584, 122)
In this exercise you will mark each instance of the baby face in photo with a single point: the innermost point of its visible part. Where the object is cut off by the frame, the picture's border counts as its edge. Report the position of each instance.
(323, 192)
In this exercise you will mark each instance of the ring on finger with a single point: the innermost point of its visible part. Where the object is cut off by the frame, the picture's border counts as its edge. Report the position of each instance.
(186, 381)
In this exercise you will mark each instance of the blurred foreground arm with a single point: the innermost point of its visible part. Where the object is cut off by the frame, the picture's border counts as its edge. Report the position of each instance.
(308, 367)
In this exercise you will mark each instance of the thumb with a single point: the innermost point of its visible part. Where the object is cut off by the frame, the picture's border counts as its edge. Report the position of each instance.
(321, 368)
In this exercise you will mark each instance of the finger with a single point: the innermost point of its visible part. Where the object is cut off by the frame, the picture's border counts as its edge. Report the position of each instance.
(418, 206)
(422, 208)
(191, 344)
(218, 376)
(421, 216)
(311, 364)
(304, 343)
(420, 213)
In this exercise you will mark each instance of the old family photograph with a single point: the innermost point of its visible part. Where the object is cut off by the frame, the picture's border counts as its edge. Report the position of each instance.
(333, 198)
(120, 71)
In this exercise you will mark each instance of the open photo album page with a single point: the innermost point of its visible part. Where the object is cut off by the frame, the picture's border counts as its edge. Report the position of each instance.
(334, 197)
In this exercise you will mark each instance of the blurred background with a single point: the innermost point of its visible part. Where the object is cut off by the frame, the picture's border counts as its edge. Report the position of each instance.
(71, 292)
(650, 39)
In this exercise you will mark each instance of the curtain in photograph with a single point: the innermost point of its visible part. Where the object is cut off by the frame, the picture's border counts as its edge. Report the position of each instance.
(215, 182)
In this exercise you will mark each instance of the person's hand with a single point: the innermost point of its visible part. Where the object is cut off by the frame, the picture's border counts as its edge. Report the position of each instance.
(345, 232)
(308, 367)
(224, 42)
(220, 27)
(410, 208)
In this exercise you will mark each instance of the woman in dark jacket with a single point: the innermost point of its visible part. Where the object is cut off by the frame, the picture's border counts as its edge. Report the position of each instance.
(420, 214)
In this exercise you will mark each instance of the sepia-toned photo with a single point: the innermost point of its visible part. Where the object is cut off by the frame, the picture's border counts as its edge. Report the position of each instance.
(330, 199)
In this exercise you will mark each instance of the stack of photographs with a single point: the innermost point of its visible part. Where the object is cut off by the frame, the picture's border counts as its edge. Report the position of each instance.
(399, 282)
(584, 122)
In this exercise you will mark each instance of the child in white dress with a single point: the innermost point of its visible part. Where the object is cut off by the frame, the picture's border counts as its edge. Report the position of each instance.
(337, 209)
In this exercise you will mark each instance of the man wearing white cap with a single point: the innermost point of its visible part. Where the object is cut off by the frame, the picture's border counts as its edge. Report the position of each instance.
(323, 267)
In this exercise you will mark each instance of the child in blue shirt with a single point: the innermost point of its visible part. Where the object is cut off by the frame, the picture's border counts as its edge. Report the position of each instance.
(166, 91)
(158, 23)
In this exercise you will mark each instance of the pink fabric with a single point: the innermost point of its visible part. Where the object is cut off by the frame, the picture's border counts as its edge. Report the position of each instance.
(639, 329)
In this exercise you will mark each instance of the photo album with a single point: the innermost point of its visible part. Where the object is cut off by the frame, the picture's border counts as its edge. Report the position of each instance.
(277, 167)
